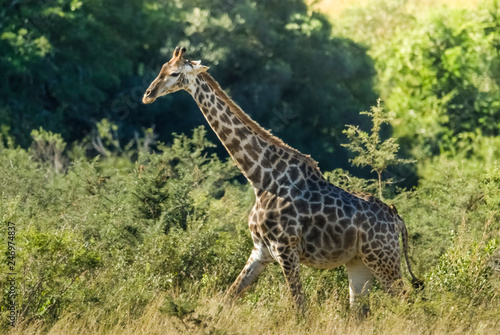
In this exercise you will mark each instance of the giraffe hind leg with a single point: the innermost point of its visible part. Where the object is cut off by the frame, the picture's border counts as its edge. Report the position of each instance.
(387, 269)
(360, 282)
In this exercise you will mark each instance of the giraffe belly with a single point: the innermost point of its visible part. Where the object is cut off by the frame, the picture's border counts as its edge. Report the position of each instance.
(328, 259)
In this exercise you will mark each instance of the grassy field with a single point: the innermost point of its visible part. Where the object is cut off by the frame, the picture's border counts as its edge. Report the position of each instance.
(403, 316)
(335, 8)
(97, 263)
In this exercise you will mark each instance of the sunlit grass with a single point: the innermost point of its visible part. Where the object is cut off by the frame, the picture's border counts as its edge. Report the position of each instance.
(212, 315)
(335, 8)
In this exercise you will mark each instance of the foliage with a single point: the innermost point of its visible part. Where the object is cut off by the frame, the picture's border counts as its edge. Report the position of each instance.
(464, 272)
(114, 232)
(347, 181)
(86, 237)
(439, 72)
(370, 149)
(179, 308)
(63, 61)
(454, 202)
(71, 63)
(48, 147)
(303, 69)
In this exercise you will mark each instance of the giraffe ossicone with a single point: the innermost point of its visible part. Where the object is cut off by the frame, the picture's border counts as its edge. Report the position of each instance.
(298, 216)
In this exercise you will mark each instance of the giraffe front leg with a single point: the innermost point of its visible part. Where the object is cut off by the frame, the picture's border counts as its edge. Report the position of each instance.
(290, 264)
(254, 266)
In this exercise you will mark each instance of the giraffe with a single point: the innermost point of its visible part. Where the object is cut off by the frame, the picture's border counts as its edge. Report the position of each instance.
(298, 216)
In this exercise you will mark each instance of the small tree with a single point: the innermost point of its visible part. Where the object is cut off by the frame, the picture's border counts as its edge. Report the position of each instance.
(370, 149)
(48, 147)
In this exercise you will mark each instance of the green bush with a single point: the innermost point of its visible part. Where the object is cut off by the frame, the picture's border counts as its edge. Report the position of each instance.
(464, 270)
(440, 75)
(93, 235)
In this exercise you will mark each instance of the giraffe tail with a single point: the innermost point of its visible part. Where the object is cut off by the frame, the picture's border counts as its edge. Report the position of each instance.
(415, 282)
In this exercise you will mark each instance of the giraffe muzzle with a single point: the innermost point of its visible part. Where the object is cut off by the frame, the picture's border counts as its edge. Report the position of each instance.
(147, 98)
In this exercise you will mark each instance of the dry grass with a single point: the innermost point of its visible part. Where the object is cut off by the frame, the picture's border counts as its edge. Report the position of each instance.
(213, 316)
(335, 8)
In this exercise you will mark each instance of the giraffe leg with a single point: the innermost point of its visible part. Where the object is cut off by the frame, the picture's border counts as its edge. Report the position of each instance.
(254, 266)
(360, 282)
(290, 264)
(387, 272)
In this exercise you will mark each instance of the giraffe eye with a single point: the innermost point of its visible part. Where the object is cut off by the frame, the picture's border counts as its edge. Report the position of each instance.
(175, 74)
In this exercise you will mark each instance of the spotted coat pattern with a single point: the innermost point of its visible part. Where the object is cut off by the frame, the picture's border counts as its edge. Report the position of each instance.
(298, 216)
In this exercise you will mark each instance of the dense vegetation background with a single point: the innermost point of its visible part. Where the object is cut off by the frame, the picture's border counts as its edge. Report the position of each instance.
(124, 226)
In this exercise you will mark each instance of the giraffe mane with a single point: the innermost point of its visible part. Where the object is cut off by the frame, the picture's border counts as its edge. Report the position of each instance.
(258, 129)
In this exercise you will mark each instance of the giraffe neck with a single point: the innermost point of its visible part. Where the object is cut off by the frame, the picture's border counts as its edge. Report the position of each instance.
(262, 157)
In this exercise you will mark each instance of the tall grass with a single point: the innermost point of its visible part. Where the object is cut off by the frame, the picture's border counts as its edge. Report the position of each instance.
(147, 243)
(417, 314)
(335, 8)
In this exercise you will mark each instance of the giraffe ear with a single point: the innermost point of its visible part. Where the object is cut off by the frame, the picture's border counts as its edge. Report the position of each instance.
(197, 67)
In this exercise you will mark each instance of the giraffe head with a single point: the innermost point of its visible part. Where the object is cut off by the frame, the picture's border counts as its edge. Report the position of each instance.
(173, 76)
